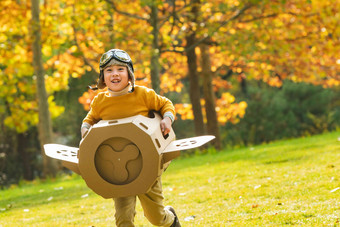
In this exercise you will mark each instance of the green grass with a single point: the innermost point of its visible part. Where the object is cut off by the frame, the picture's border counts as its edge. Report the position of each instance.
(291, 182)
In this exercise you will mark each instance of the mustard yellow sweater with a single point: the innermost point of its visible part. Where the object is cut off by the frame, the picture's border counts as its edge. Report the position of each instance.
(139, 102)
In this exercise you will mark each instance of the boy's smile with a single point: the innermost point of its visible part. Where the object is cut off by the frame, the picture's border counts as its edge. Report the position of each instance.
(116, 77)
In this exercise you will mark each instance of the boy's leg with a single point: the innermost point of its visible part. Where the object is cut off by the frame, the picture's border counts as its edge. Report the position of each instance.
(152, 203)
(125, 211)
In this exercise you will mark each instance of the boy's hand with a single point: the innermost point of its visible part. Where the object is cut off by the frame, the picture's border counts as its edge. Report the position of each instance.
(165, 125)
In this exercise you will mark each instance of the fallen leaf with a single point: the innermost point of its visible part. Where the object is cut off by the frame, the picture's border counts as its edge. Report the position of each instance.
(59, 188)
(190, 218)
(257, 186)
(335, 189)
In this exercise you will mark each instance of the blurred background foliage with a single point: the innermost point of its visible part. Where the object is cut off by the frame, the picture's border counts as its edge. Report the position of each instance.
(246, 71)
(293, 110)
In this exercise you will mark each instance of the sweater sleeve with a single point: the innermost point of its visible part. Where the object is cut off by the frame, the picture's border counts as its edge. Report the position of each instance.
(92, 116)
(158, 103)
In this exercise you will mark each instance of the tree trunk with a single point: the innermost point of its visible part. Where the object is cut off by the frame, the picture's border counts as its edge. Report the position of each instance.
(25, 156)
(155, 55)
(194, 87)
(209, 96)
(44, 127)
(244, 86)
(110, 27)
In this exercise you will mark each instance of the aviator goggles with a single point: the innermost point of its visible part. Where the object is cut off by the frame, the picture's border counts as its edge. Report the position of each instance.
(117, 54)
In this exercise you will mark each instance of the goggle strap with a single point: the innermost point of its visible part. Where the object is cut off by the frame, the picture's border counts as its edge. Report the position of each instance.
(132, 89)
(93, 88)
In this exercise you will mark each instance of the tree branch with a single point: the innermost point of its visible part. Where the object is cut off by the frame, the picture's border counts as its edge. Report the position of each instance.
(260, 17)
(237, 14)
(111, 2)
(275, 15)
(173, 50)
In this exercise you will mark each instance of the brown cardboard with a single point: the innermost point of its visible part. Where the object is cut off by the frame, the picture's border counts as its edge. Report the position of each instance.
(123, 157)
(72, 166)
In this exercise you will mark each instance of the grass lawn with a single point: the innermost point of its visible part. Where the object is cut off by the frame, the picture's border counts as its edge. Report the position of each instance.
(291, 182)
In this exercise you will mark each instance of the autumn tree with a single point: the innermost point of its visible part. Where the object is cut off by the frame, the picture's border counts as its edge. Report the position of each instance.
(155, 20)
(194, 82)
(172, 40)
(18, 78)
(279, 40)
(197, 28)
(209, 96)
(45, 128)
(173, 28)
(242, 27)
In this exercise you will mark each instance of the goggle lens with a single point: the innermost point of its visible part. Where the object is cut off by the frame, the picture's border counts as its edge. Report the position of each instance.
(105, 58)
(119, 55)
(122, 55)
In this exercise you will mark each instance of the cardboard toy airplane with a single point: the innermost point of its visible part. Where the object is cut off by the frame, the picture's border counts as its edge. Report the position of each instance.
(123, 157)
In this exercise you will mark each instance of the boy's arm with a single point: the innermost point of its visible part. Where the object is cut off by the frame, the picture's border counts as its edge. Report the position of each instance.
(164, 106)
(159, 103)
(90, 119)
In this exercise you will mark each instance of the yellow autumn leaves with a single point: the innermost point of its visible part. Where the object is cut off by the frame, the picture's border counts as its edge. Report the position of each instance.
(226, 108)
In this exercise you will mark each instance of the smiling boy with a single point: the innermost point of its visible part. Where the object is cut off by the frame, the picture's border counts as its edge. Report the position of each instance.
(125, 99)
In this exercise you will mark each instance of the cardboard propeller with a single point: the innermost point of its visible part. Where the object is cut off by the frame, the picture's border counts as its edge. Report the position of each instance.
(123, 157)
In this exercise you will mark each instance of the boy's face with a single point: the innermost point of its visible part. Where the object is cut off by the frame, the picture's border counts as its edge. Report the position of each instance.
(116, 77)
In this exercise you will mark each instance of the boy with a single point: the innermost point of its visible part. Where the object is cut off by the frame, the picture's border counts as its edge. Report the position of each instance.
(124, 99)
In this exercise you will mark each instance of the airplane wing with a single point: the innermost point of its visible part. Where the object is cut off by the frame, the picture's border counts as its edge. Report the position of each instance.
(62, 152)
(189, 143)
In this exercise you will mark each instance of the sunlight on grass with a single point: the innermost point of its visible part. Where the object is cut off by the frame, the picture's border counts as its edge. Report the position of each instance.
(293, 182)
